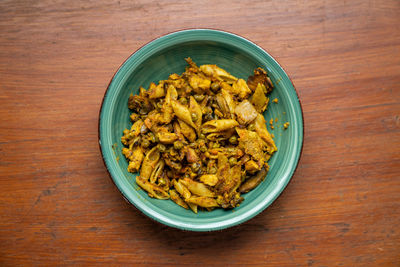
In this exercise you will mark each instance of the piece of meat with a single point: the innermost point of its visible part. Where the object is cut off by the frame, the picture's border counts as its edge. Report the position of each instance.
(245, 112)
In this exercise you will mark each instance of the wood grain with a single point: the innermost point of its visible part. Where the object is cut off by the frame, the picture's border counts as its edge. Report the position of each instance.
(58, 205)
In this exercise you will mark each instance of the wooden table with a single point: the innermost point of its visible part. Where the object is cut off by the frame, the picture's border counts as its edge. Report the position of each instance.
(58, 205)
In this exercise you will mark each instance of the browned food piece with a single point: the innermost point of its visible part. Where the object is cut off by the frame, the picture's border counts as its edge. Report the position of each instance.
(252, 182)
(136, 158)
(229, 180)
(199, 84)
(136, 128)
(167, 113)
(218, 73)
(251, 166)
(259, 100)
(251, 143)
(260, 77)
(262, 132)
(192, 66)
(156, 91)
(140, 103)
(177, 166)
(232, 201)
(191, 155)
(166, 137)
(152, 120)
(241, 89)
(209, 179)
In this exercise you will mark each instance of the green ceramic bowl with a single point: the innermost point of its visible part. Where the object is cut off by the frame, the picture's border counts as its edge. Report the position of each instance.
(165, 55)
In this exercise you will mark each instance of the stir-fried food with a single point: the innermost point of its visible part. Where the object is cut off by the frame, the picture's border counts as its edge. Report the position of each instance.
(200, 138)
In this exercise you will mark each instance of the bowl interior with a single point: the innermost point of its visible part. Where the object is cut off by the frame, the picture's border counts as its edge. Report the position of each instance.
(156, 61)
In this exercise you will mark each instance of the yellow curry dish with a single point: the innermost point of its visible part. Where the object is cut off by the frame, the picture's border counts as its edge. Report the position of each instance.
(200, 138)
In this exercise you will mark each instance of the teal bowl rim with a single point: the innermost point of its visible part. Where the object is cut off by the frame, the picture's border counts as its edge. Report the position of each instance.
(153, 214)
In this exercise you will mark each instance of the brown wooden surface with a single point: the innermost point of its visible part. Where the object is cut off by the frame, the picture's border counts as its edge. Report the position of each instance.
(58, 205)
